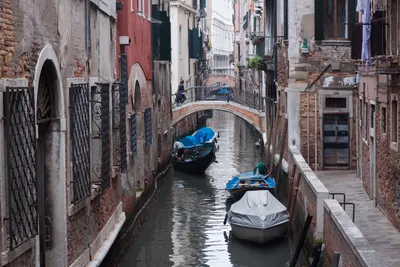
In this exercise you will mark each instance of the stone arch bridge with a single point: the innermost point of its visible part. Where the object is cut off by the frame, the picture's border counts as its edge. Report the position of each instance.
(214, 79)
(247, 105)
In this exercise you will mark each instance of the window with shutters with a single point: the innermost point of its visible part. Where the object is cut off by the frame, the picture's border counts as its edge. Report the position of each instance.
(334, 19)
(394, 121)
(394, 28)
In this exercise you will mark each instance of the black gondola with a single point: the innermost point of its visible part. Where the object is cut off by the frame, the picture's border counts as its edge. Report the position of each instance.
(196, 165)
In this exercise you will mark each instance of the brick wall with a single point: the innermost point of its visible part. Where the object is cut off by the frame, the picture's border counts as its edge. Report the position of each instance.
(310, 195)
(387, 158)
(335, 242)
(307, 134)
(342, 236)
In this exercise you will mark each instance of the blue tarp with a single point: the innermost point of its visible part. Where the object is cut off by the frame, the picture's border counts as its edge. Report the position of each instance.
(190, 141)
(204, 134)
(234, 182)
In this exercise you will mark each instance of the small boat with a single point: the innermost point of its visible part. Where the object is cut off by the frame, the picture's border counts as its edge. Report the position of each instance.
(258, 217)
(249, 181)
(196, 158)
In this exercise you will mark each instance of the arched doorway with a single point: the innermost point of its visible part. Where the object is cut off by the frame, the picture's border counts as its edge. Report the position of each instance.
(50, 165)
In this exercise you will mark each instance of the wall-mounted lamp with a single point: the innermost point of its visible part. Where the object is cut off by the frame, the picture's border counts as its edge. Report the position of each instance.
(304, 47)
(119, 5)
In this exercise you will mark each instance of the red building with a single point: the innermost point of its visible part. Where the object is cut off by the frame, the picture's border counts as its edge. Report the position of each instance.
(147, 102)
(134, 21)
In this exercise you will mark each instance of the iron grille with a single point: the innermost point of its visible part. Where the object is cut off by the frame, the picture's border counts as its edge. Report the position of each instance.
(116, 124)
(80, 140)
(21, 164)
(147, 127)
(132, 122)
(105, 129)
(123, 101)
(101, 167)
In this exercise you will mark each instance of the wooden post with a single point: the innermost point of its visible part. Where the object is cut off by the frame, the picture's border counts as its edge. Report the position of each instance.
(268, 143)
(281, 150)
(274, 140)
(292, 206)
(291, 183)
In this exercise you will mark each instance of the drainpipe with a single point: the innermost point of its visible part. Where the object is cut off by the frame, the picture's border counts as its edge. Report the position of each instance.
(88, 39)
(308, 127)
(357, 138)
(375, 130)
(316, 131)
(275, 19)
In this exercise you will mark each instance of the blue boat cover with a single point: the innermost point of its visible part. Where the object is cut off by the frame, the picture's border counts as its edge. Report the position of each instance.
(204, 134)
(234, 182)
(190, 141)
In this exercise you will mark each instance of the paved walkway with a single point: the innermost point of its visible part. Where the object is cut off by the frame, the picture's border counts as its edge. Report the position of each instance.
(373, 224)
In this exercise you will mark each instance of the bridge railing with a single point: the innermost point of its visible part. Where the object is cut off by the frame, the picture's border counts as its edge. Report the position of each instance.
(203, 93)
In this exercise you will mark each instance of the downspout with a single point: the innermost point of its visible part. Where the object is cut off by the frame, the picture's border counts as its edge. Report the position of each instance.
(275, 18)
(88, 39)
(316, 131)
(357, 138)
(375, 141)
(308, 127)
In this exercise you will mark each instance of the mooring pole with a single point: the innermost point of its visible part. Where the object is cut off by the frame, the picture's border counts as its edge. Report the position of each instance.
(301, 241)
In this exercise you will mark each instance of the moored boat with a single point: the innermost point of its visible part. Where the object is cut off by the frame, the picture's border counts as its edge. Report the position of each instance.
(258, 217)
(249, 181)
(196, 157)
(206, 136)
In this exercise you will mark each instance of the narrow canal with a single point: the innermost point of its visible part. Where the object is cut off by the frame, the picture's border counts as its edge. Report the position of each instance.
(187, 228)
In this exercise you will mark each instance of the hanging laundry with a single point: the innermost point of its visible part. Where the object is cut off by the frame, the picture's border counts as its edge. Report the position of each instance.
(361, 4)
(366, 42)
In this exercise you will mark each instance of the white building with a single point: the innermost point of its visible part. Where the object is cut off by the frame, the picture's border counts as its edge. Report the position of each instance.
(222, 36)
(182, 15)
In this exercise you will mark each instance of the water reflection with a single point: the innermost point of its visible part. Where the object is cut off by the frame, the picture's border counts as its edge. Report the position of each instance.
(188, 229)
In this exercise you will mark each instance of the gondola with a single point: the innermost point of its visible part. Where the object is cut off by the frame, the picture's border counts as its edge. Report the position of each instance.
(197, 157)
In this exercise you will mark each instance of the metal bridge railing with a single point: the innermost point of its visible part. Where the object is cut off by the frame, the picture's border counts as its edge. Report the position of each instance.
(203, 93)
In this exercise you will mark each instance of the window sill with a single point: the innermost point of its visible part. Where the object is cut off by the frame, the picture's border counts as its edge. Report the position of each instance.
(342, 42)
(74, 208)
(394, 146)
(372, 132)
(9, 256)
(365, 141)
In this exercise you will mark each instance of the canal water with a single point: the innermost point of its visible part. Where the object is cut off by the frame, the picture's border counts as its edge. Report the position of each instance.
(187, 228)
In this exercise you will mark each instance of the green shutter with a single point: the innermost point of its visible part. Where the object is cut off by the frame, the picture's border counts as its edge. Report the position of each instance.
(351, 17)
(319, 23)
(260, 49)
(202, 4)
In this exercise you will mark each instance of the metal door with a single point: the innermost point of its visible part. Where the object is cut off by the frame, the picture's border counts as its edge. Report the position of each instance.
(336, 140)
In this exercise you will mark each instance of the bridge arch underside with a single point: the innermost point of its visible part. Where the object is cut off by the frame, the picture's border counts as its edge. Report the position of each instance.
(213, 79)
(251, 117)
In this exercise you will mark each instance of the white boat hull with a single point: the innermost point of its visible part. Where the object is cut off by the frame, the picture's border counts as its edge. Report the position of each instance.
(258, 235)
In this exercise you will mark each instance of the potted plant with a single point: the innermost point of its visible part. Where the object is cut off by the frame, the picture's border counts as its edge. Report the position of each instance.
(257, 39)
(257, 62)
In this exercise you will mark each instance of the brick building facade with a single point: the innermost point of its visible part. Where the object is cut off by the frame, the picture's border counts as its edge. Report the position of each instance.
(69, 93)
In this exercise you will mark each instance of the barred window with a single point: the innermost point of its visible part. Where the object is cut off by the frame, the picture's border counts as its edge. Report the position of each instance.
(100, 133)
(132, 124)
(148, 127)
(20, 141)
(80, 140)
(123, 96)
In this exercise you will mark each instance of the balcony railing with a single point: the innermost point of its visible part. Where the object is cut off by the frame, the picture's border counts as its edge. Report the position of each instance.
(251, 99)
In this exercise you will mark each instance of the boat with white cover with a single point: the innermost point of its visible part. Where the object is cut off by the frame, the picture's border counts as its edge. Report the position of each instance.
(259, 217)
